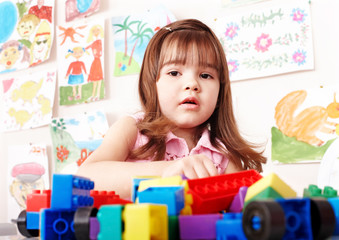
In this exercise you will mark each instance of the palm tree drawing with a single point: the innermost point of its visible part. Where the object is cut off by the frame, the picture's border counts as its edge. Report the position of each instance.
(140, 34)
(125, 26)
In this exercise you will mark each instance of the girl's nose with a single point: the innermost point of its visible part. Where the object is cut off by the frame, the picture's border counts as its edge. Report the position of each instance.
(192, 86)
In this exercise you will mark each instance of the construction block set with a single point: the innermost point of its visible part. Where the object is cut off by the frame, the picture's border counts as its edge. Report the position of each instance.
(235, 206)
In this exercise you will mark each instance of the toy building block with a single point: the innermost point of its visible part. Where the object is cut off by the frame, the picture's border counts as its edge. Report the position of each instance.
(215, 194)
(335, 205)
(230, 227)
(145, 221)
(56, 224)
(106, 198)
(82, 222)
(315, 191)
(94, 228)
(270, 186)
(33, 220)
(157, 182)
(173, 197)
(173, 228)
(110, 221)
(238, 202)
(38, 200)
(201, 226)
(187, 210)
(136, 183)
(22, 226)
(71, 192)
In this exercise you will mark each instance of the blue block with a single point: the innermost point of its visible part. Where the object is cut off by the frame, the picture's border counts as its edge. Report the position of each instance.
(109, 217)
(32, 220)
(173, 197)
(230, 227)
(57, 224)
(335, 205)
(297, 218)
(136, 183)
(71, 192)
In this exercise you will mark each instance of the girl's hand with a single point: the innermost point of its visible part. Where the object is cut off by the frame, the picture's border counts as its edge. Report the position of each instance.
(195, 166)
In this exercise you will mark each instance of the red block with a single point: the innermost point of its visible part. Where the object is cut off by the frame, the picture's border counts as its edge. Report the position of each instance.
(38, 200)
(106, 198)
(215, 194)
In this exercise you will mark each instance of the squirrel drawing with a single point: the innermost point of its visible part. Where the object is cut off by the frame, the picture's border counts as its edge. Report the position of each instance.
(308, 122)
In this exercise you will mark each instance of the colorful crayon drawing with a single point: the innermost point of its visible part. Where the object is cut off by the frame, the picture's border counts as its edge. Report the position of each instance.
(80, 8)
(75, 138)
(81, 56)
(28, 101)
(28, 170)
(269, 41)
(131, 36)
(26, 33)
(307, 123)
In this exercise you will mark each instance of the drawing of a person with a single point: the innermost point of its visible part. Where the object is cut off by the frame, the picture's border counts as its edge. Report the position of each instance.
(41, 44)
(41, 11)
(96, 74)
(26, 27)
(75, 72)
(10, 53)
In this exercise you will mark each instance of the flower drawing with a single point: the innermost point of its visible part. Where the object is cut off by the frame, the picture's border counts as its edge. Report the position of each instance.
(299, 57)
(231, 30)
(298, 15)
(263, 43)
(62, 153)
(232, 66)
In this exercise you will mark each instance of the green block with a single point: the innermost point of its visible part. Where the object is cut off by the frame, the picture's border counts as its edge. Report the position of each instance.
(173, 228)
(267, 193)
(109, 217)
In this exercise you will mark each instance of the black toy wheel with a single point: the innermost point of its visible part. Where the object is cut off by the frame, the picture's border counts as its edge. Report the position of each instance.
(82, 222)
(22, 226)
(323, 218)
(263, 220)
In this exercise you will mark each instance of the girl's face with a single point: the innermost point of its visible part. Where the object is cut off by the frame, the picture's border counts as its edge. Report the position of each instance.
(26, 28)
(77, 53)
(9, 56)
(187, 93)
(40, 47)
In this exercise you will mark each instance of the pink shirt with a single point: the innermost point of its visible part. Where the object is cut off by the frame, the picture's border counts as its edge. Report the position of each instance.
(177, 148)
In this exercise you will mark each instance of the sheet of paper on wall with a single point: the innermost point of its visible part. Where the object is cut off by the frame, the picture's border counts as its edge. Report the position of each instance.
(268, 41)
(132, 34)
(74, 138)
(80, 8)
(238, 3)
(306, 126)
(26, 33)
(80, 49)
(28, 100)
(28, 169)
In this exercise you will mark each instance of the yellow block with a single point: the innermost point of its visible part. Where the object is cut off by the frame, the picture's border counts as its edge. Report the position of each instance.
(167, 181)
(145, 221)
(272, 180)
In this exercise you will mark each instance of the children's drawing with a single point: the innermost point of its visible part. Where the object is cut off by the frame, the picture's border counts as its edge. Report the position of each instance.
(80, 8)
(268, 41)
(28, 170)
(26, 33)
(131, 36)
(75, 138)
(307, 123)
(238, 3)
(28, 101)
(81, 67)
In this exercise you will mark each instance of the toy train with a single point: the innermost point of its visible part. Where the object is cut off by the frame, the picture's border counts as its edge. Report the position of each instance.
(241, 205)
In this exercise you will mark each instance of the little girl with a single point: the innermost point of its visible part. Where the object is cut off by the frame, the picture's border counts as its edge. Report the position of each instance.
(74, 72)
(187, 125)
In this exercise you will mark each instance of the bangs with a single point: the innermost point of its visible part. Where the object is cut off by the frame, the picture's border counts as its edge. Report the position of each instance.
(190, 47)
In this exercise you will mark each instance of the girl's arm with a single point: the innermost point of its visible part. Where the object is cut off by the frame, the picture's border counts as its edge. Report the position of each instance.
(107, 167)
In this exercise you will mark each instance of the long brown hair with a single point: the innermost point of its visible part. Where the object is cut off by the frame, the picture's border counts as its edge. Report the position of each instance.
(183, 35)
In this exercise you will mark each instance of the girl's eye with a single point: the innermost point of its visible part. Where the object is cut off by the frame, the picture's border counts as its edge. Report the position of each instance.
(174, 73)
(205, 76)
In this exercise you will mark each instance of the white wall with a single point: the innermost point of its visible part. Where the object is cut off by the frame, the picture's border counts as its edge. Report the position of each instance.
(255, 99)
